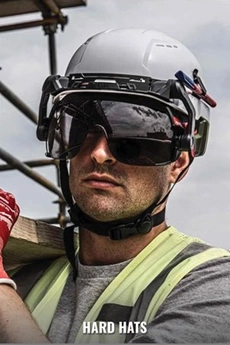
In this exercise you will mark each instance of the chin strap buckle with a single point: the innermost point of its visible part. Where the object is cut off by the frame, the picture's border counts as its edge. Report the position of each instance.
(122, 231)
(141, 226)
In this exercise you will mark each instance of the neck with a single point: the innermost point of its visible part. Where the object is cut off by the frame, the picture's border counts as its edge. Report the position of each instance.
(101, 250)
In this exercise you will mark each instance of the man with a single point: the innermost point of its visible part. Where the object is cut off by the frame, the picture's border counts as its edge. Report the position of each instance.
(131, 114)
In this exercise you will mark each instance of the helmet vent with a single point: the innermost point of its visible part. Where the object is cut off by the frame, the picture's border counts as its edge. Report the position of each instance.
(166, 45)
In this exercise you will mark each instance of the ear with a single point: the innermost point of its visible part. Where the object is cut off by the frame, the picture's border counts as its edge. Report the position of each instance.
(178, 166)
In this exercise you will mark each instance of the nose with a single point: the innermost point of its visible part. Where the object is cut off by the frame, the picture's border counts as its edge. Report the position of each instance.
(101, 153)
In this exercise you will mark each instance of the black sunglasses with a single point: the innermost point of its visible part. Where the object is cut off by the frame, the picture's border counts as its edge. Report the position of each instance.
(136, 134)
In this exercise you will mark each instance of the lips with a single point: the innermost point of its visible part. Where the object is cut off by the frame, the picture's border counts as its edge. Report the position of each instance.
(97, 180)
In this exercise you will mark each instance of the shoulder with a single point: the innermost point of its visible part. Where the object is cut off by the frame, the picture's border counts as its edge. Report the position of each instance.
(27, 276)
(197, 310)
(210, 279)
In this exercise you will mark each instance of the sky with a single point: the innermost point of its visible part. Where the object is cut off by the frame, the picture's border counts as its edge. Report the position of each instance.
(199, 205)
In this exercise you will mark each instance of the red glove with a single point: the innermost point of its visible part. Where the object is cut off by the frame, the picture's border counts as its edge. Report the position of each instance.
(9, 212)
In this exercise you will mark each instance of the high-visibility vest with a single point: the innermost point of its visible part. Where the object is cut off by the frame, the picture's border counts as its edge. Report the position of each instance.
(134, 295)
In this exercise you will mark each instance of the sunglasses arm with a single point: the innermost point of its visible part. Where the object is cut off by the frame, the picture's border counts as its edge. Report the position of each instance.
(52, 85)
(177, 91)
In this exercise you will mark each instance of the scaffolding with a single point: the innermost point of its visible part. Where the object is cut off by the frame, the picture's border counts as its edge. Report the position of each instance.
(52, 18)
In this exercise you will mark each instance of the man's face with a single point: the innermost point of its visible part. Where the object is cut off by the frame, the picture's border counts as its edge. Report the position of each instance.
(106, 189)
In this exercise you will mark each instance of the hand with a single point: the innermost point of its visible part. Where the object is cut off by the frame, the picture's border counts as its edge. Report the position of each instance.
(9, 212)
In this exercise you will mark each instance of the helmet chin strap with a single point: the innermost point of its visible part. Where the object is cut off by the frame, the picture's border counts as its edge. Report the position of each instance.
(116, 230)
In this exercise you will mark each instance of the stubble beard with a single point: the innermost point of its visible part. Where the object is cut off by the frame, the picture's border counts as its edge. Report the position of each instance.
(124, 203)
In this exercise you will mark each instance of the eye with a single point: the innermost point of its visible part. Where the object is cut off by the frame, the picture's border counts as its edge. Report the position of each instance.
(128, 148)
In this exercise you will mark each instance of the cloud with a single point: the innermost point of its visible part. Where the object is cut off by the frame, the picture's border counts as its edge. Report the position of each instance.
(211, 43)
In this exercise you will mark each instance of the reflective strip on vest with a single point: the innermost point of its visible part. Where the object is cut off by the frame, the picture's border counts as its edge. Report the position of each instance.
(135, 294)
(43, 299)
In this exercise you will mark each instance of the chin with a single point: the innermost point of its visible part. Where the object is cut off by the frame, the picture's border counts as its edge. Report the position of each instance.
(107, 214)
(103, 216)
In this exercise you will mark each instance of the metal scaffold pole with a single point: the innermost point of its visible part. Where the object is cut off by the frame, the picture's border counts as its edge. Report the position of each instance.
(26, 170)
(18, 103)
(52, 19)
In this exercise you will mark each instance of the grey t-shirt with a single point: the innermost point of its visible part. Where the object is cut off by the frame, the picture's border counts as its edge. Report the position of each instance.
(78, 298)
(196, 311)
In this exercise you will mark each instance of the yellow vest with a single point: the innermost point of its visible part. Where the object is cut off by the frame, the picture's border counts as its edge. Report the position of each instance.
(135, 294)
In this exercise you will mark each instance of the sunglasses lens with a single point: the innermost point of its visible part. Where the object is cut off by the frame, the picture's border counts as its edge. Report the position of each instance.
(67, 132)
(141, 152)
(137, 134)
